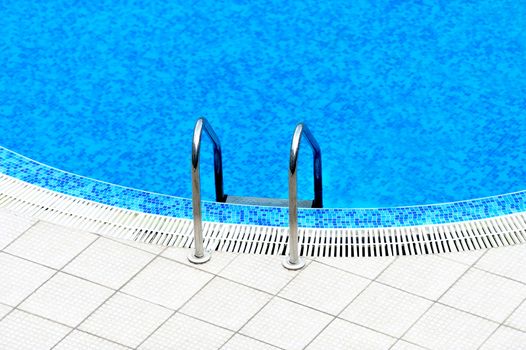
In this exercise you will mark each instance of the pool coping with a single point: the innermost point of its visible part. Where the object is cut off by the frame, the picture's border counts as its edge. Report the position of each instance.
(32, 172)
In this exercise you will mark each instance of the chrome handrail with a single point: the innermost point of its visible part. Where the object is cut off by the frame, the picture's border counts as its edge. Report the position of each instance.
(293, 261)
(199, 255)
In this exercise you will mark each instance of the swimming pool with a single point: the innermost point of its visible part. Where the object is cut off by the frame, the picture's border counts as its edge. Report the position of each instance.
(411, 103)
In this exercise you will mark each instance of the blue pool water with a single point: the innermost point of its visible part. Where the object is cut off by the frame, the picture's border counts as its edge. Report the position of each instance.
(412, 102)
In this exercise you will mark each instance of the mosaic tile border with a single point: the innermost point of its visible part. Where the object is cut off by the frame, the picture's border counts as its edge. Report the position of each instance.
(28, 170)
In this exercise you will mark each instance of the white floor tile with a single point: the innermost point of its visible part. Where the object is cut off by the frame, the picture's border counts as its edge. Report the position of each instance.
(486, 295)
(263, 272)
(183, 332)
(218, 261)
(506, 261)
(240, 342)
(286, 325)
(83, 341)
(324, 288)
(125, 320)
(506, 339)
(19, 278)
(426, 275)
(50, 245)
(109, 263)
(366, 267)
(12, 226)
(518, 318)
(445, 328)
(66, 299)
(386, 309)
(226, 304)
(167, 283)
(342, 335)
(21, 331)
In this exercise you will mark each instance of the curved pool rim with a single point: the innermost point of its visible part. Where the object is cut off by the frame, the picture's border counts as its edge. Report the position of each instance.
(42, 175)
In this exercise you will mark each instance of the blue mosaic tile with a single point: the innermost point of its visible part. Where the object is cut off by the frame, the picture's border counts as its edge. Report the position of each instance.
(25, 169)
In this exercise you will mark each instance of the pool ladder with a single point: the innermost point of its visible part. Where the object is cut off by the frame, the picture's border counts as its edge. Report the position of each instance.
(292, 261)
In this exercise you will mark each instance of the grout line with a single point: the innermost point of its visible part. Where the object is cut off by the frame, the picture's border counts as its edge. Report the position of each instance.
(355, 273)
(499, 275)
(429, 299)
(228, 329)
(435, 301)
(132, 295)
(97, 336)
(47, 280)
(187, 301)
(57, 270)
(105, 301)
(173, 313)
(276, 295)
(371, 329)
(260, 290)
(375, 279)
(502, 324)
(129, 243)
(20, 235)
(307, 264)
(371, 281)
(68, 326)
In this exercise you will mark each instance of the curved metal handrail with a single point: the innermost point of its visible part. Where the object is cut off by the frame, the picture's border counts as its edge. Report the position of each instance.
(199, 255)
(293, 261)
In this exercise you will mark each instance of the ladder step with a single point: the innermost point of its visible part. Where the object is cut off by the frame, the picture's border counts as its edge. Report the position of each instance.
(266, 202)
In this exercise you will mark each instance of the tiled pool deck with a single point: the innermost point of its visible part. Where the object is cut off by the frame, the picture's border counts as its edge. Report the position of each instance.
(63, 288)
(25, 169)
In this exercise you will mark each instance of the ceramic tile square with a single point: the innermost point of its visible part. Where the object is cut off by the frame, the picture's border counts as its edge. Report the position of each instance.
(183, 332)
(240, 342)
(263, 272)
(19, 278)
(218, 261)
(467, 257)
(445, 328)
(518, 318)
(366, 267)
(344, 335)
(403, 345)
(167, 283)
(50, 245)
(22, 331)
(506, 338)
(83, 341)
(506, 261)
(125, 320)
(109, 263)
(324, 288)
(220, 298)
(4, 310)
(486, 295)
(426, 275)
(12, 226)
(386, 309)
(286, 324)
(66, 299)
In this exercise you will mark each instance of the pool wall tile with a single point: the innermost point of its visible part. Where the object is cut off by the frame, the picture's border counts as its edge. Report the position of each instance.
(33, 172)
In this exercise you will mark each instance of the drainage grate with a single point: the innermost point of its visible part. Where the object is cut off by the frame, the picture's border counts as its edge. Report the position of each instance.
(43, 204)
